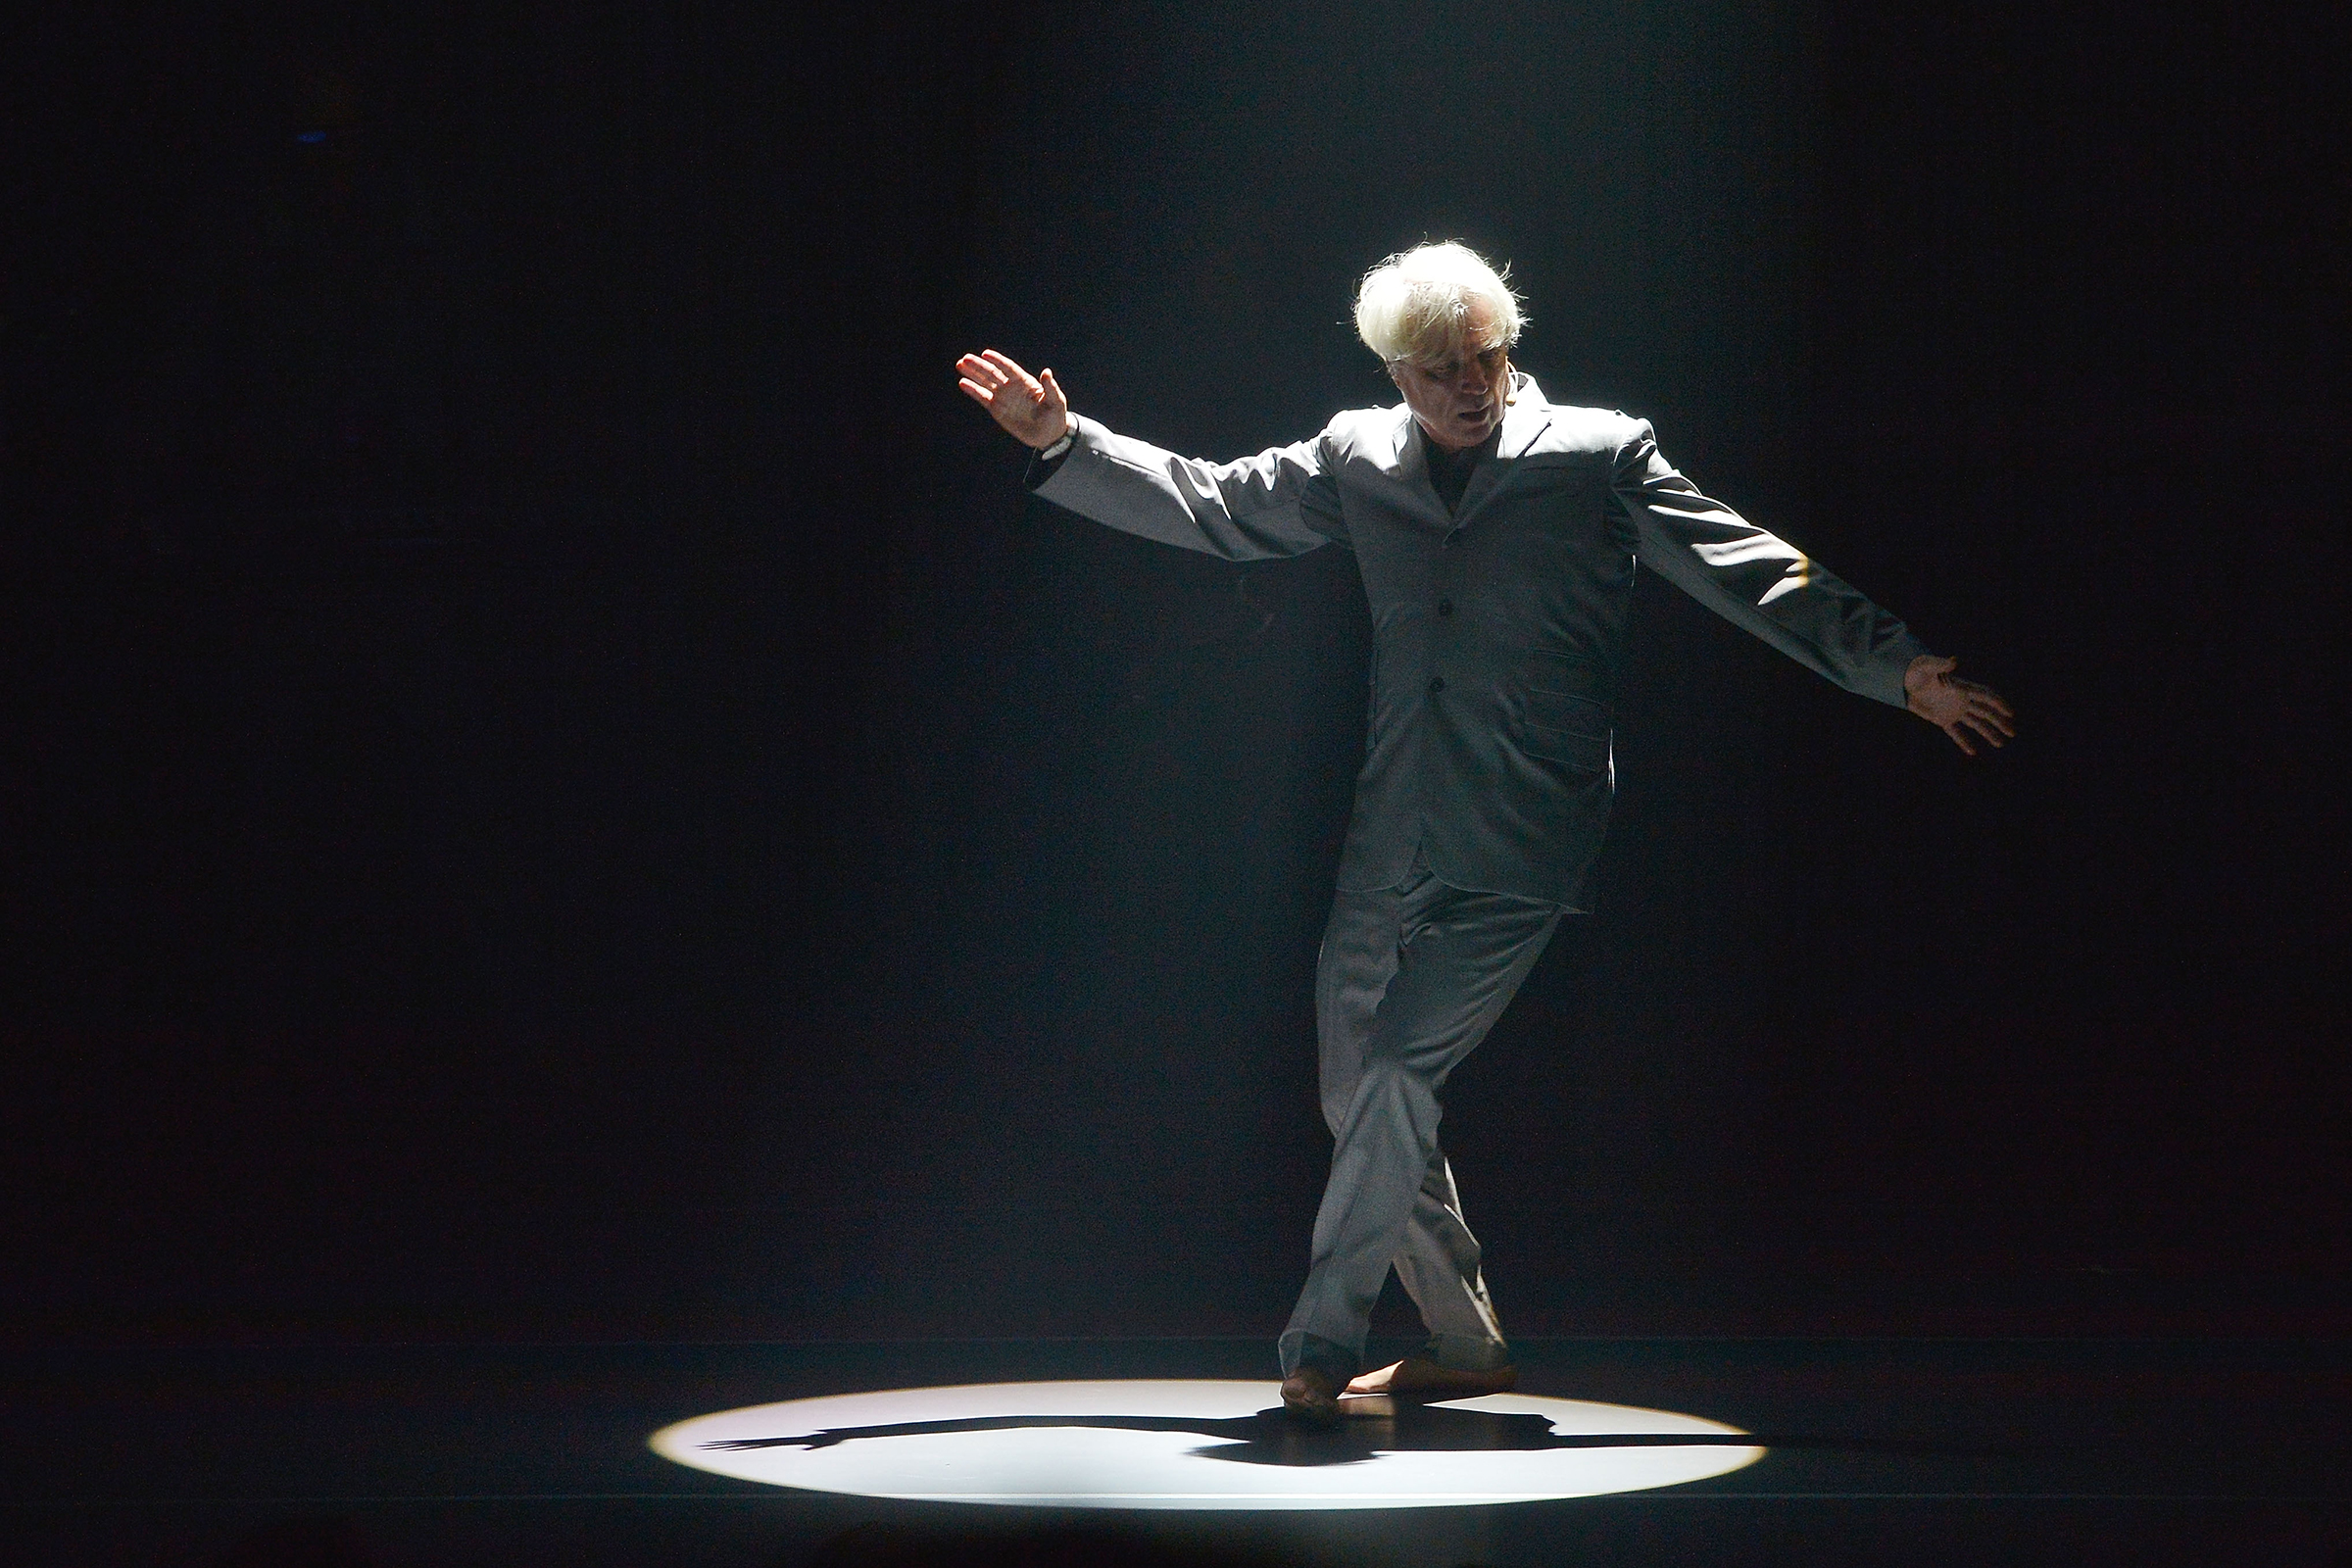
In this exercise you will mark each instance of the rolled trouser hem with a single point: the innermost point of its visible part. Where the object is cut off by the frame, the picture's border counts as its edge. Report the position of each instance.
(1468, 1353)
(1300, 1348)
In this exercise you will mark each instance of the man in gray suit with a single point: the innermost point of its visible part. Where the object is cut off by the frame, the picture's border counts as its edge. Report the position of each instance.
(1497, 535)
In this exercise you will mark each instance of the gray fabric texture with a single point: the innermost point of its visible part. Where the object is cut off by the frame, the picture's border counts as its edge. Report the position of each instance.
(1409, 980)
(1500, 629)
(1498, 634)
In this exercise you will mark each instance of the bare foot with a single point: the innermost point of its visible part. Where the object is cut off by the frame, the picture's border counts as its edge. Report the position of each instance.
(1416, 1377)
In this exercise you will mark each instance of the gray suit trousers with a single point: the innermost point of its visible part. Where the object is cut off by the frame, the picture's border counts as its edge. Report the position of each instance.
(1410, 981)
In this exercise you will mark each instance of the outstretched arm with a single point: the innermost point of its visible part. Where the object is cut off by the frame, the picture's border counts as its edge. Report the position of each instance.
(1769, 587)
(1282, 502)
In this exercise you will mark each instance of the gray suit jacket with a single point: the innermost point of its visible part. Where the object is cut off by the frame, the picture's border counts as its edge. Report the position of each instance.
(1499, 631)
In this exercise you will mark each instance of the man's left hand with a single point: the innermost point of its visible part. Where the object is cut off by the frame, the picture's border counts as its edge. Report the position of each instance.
(1961, 709)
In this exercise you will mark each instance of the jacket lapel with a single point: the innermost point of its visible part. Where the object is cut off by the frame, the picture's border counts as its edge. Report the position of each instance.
(1410, 465)
(1522, 424)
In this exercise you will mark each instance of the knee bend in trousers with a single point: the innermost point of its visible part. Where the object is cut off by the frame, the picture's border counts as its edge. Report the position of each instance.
(1391, 1086)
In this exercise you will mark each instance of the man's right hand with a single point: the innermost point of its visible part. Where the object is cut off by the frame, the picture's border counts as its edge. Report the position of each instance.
(1032, 409)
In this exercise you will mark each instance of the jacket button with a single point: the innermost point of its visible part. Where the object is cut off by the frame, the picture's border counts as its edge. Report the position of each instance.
(1445, 607)
(1437, 684)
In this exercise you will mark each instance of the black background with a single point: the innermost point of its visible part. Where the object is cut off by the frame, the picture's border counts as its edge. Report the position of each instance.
(555, 784)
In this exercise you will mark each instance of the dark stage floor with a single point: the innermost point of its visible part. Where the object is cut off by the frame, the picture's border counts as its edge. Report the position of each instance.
(1918, 1451)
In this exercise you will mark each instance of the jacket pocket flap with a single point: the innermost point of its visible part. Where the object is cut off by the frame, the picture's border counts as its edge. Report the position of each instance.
(1587, 753)
(1556, 673)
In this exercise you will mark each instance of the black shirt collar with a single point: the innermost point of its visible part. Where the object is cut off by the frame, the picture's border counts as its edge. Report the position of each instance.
(1450, 471)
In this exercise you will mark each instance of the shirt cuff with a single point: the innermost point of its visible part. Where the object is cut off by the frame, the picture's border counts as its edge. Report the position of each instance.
(1045, 462)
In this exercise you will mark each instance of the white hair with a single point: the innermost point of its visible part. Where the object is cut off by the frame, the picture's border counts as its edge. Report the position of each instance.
(1415, 304)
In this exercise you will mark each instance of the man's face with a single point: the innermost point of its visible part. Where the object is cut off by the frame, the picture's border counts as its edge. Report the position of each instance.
(1459, 402)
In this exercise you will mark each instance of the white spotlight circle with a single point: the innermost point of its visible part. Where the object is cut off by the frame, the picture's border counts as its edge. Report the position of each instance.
(1184, 1444)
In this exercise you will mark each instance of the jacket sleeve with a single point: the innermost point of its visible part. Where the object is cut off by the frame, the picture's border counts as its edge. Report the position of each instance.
(1758, 582)
(1282, 502)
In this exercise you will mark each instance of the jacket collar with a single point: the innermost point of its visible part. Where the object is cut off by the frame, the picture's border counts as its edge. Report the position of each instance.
(1524, 422)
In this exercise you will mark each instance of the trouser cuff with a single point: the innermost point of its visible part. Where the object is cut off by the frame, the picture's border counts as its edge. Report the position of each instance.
(1300, 1348)
(1468, 1353)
